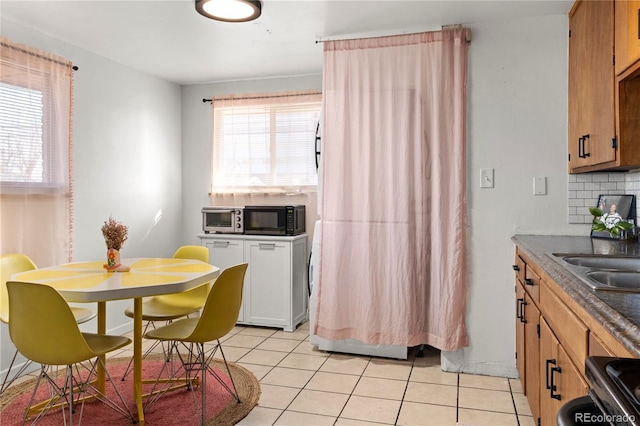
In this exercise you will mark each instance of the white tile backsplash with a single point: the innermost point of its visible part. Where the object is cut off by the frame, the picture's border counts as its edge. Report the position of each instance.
(584, 189)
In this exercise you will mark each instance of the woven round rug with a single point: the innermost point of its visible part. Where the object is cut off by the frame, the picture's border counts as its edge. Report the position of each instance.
(177, 407)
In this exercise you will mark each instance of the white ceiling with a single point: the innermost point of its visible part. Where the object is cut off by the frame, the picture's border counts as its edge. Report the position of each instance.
(169, 39)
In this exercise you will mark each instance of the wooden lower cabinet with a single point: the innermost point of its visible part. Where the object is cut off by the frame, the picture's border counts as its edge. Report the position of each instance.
(528, 347)
(532, 355)
(560, 379)
(552, 343)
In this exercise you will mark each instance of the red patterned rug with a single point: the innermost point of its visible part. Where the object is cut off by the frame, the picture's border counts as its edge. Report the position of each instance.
(175, 408)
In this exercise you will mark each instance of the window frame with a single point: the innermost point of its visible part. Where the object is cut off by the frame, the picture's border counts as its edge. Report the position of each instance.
(269, 105)
(50, 180)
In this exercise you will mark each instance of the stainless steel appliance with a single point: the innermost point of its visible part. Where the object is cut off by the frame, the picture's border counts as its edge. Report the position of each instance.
(222, 220)
(614, 395)
(274, 220)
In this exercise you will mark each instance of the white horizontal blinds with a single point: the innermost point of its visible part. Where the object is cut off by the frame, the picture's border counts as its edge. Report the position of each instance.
(21, 130)
(264, 142)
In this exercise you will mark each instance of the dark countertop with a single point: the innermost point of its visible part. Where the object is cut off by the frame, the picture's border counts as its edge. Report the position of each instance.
(617, 311)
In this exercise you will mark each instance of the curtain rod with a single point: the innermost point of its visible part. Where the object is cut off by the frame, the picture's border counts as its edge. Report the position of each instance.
(365, 36)
(74, 67)
(227, 98)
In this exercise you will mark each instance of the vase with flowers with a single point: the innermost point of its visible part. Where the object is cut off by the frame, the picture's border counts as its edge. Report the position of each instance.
(115, 234)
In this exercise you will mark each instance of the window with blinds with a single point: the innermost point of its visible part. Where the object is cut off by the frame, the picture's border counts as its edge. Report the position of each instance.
(23, 147)
(265, 143)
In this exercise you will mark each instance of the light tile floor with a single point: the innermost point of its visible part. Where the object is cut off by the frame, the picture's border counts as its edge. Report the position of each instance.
(303, 386)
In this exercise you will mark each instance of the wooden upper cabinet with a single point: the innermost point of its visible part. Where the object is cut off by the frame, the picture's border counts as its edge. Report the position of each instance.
(592, 131)
(627, 20)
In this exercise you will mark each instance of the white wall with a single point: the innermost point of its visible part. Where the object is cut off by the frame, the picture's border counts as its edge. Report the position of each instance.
(126, 158)
(517, 126)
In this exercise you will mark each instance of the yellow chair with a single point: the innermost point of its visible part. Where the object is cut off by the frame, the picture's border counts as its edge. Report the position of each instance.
(219, 316)
(44, 330)
(168, 307)
(12, 264)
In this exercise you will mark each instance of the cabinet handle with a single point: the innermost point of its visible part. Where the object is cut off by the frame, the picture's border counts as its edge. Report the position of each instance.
(528, 281)
(582, 151)
(520, 313)
(639, 23)
(515, 267)
(553, 386)
(546, 373)
(267, 246)
(580, 140)
(518, 308)
(221, 243)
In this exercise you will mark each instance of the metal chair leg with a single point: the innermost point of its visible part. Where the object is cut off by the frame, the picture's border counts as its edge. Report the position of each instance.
(7, 382)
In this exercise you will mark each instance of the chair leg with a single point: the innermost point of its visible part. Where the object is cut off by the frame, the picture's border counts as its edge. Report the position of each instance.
(147, 352)
(74, 391)
(203, 385)
(8, 382)
(233, 392)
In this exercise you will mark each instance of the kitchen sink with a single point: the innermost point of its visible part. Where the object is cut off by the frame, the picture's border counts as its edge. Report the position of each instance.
(617, 280)
(624, 263)
(603, 272)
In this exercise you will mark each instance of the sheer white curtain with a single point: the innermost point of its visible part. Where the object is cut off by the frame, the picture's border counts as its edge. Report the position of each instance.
(35, 153)
(393, 266)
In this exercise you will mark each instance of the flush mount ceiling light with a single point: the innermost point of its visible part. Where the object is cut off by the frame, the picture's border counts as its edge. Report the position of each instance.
(230, 10)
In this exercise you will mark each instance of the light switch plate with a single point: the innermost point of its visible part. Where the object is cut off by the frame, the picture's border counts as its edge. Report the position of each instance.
(539, 185)
(486, 178)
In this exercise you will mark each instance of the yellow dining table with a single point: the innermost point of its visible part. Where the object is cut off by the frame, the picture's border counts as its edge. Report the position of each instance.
(87, 282)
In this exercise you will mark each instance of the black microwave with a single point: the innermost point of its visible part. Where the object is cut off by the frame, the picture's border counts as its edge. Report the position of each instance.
(274, 220)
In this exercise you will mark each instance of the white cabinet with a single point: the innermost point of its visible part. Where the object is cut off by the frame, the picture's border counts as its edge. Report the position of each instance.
(275, 285)
(224, 253)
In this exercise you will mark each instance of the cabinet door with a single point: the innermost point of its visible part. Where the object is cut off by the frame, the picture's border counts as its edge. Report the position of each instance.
(591, 85)
(224, 253)
(268, 299)
(549, 405)
(532, 355)
(627, 18)
(570, 383)
(561, 381)
(520, 336)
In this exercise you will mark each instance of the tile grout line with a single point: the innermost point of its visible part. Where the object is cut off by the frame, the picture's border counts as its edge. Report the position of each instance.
(515, 408)
(457, 398)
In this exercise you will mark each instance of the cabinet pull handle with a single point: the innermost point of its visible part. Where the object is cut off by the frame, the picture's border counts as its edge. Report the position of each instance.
(518, 308)
(580, 147)
(221, 243)
(582, 150)
(515, 267)
(553, 386)
(522, 318)
(546, 372)
(639, 23)
(528, 281)
(267, 246)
